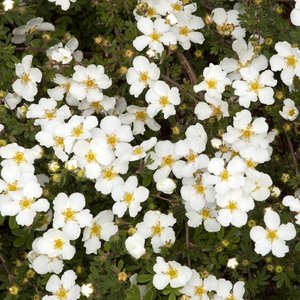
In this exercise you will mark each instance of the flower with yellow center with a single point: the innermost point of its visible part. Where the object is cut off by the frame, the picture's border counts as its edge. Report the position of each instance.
(255, 86)
(112, 140)
(247, 133)
(164, 101)
(96, 230)
(77, 131)
(19, 158)
(59, 141)
(191, 157)
(167, 161)
(62, 293)
(199, 290)
(184, 30)
(224, 175)
(25, 78)
(291, 61)
(232, 206)
(144, 77)
(13, 186)
(58, 244)
(138, 151)
(90, 83)
(155, 36)
(172, 273)
(128, 198)
(91, 157)
(205, 213)
(96, 106)
(272, 235)
(26, 203)
(69, 214)
(109, 174)
(226, 29)
(157, 229)
(141, 116)
(49, 114)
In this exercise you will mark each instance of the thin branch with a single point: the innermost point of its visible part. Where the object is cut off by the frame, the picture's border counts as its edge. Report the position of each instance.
(10, 277)
(162, 198)
(187, 242)
(295, 161)
(187, 66)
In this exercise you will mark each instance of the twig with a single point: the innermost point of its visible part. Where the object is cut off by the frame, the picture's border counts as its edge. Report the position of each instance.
(10, 277)
(187, 242)
(295, 161)
(162, 198)
(187, 66)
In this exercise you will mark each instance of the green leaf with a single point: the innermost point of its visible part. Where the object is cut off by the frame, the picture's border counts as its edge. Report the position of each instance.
(144, 278)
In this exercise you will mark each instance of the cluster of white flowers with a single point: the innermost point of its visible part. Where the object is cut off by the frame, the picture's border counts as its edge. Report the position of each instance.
(192, 284)
(100, 137)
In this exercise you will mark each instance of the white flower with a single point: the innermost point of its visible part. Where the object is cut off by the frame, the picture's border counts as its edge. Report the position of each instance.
(157, 226)
(8, 4)
(294, 205)
(54, 243)
(33, 25)
(255, 86)
(227, 290)
(139, 118)
(70, 215)
(162, 98)
(164, 160)
(128, 196)
(170, 272)
(1, 127)
(225, 178)
(213, 108)
(186, 30)
(64, 4)
(295, 14)
(113, 132)
(142, 74)
(232, 263)
(97, 106)
(102, 227)
(89, 82)
(274, 236)
(198, 288)
(289, 111)
(92, 155)
(12, 100)
(287, 61)
(26, 86)
(215, 81)
(46, 111)
(87, 290)
(250, 138)
(207, 215)
(166, 185)
(228, 23)
(233, 208)
(64, 54)
(155, 35)
(135, 245)
(25, 208)
(64, 287)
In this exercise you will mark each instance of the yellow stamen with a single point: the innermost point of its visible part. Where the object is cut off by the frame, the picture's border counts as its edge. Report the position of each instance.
(19, 158)
(69, 214)
(157, 229)
(128, 198)
(96, 230)
(58, 244)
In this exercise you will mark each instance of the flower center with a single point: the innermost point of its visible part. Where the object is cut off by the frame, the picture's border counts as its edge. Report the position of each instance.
(157, 229)
(211, 83)
(96, 106)
(12, 186)
(199, 290)
(91, 156)
(77, 131)
(90, 83)
(291, 112)
(272, 235)
(225, 29)
(167, 161)
(59, 141)
(164, 101)
(144, 77)
(172, 273)
(67, 87)
(138, 151)
(49, 114)
(25, 203)
(25, 78)
(58, 244)
(69, 214)
(224, 175)
(112, 140)
(205, 214)
(128, 198)
(19, 158)
(109, 174)
(191, 157)
(62, 293)
(151, 12)
(177, 6)
(184, 30)
(255, 86)
(231, 297)
(247, 133)
(232, 206)
(95, 230)
(199, 188)
(155, 36)
(141, 116)
(291, 61)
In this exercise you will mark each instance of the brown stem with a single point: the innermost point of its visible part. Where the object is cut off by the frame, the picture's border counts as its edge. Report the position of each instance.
(187, 242)
(187, 66)
(162, 198)
(295, 161)
(10, 277)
